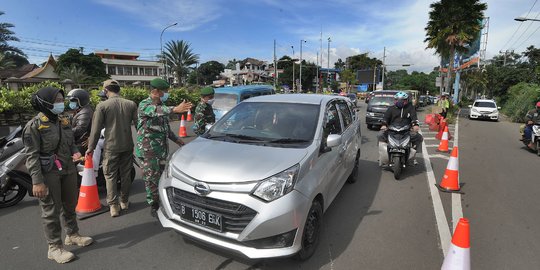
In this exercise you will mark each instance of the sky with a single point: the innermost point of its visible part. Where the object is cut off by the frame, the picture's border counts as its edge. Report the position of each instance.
(223, 30)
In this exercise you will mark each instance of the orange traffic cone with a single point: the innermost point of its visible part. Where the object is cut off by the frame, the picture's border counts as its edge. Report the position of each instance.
(459, 254)
(182, 132)
(189, 117)
(450, 180)
(443, 146)
(89, 204)
(442, 125)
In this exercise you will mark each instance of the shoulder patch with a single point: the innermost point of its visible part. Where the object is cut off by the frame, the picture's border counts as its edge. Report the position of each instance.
(42, 126)
(64, 121)
(44, 118)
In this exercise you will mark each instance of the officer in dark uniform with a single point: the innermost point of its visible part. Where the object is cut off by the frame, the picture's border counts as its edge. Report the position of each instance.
(50, 151)
(204, 113)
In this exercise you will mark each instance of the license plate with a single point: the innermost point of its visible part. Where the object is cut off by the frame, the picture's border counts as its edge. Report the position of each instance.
(201, 217)
(397, 151)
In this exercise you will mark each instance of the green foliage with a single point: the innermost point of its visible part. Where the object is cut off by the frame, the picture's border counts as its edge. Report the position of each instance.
(6, 35)
(522, 98)
(363, 61)
(179, 56)
(401, 80)
(209, 72)
(90, 63)
(19, 101)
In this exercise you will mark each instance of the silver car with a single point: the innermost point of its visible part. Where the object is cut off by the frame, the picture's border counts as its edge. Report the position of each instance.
(258, 181)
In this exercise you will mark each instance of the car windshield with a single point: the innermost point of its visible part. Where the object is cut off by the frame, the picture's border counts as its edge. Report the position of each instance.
(224, 102)
(485, 104)
(268, 123)
(381, 101)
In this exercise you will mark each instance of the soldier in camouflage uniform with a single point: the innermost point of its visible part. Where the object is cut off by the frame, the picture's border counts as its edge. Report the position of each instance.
(50, 151)
(204, 113)
(153, 130)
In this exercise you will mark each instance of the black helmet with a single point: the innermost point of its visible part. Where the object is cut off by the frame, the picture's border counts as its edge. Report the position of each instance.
(80, 96)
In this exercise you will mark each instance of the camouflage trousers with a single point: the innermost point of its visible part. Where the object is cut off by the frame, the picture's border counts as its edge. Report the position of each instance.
(152, 168)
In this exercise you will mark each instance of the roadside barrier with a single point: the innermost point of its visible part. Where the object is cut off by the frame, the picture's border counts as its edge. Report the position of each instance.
(189, 116)
(442, 127)
(450, 180)
(443, 146)
(459, 253)
(89, 204)
(182, 132)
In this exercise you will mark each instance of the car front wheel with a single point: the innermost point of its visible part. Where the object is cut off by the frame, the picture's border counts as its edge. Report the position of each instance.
(312, 231)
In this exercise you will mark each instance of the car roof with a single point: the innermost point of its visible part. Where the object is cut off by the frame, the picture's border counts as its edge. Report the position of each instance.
(484, 100)
(243, 88)
(296, 98)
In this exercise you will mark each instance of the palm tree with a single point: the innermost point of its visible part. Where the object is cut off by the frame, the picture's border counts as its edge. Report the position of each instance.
(452, 26)
(74, 73)
(7, 35)
(5, 62)
(179, 57)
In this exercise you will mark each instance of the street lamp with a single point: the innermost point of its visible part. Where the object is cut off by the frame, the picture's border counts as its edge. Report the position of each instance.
(300, 79)
(161, 47)
(522, 19)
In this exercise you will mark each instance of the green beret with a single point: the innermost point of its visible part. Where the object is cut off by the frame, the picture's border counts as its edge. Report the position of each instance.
(159, 84)
(207, 91)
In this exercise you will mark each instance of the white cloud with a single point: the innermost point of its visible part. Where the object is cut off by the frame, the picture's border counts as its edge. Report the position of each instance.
(189, 14)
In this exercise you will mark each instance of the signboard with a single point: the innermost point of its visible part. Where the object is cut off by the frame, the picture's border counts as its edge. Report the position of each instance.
(368, 76)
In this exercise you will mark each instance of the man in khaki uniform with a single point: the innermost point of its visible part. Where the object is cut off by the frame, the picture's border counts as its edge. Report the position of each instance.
(116, 115)
(50, 152)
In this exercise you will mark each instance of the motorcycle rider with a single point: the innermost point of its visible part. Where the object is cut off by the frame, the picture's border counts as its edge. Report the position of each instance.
(79, 100)
(402, 113)
(533, 117)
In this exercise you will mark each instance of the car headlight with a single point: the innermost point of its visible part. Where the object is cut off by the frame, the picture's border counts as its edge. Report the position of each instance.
(474, 110)
(278, 185)
(370, 114)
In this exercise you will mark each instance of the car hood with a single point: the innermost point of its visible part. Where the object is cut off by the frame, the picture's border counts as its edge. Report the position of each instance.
(377, 109)
(226, 162)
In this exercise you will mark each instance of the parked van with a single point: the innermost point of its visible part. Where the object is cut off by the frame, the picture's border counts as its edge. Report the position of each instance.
(227, 97)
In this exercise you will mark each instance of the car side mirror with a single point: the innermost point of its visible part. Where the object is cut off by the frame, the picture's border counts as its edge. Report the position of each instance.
(470, 106)
(333, 140)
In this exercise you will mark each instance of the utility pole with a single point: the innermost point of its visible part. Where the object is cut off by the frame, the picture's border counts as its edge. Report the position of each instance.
(317, 87)
(300, 79)
(383, 67)
(292, 60)
(328, 64)
(319, 78)
(161, 48)
(275, 67)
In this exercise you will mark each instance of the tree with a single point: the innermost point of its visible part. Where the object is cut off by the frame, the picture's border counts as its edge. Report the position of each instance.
(92, 65)
(179, 56)
(339, 64)
(348, 77)
(210, 71)
(5, 63)
(74, 73)
(7, 35)
(17, 59)
(231, 64)
(452, 26)
(362, 62)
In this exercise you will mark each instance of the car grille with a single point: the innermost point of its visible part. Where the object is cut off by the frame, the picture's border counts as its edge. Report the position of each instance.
(235, 216)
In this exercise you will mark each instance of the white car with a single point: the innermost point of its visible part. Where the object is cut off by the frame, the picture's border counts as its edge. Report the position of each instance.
(484, 109)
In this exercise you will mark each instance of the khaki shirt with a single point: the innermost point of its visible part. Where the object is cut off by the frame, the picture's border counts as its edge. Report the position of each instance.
(44, 137)
(115, 115)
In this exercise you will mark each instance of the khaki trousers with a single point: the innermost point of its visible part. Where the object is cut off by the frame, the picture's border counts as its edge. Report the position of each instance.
(117, 166)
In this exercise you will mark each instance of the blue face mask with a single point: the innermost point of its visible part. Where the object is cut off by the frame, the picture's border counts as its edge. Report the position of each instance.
(164, 97)
(58, 108)
(73, 105)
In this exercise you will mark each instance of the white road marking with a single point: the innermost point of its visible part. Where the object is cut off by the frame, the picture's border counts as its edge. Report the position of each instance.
(457, 210)
(440, 156)
(440, 217)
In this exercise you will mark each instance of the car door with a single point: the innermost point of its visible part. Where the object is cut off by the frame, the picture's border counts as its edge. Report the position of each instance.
(348, 138)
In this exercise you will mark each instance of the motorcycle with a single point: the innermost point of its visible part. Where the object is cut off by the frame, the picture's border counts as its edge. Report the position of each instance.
(15, 181)
(398, 151)
(534, 140)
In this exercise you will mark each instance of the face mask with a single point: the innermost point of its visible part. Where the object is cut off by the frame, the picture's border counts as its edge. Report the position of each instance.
(73, 105)
(210, 101)
(58, 108)
(164, 97)
(400, 104)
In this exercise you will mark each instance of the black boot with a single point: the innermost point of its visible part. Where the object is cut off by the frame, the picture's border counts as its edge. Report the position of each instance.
(153, 209)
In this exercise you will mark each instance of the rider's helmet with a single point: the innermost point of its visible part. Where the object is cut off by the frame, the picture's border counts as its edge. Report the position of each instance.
(400, 99)
(78, 98)
(538, 105)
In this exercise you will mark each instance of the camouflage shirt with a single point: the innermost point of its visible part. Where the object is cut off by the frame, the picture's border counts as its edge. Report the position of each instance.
(204, 114)
(153, 129)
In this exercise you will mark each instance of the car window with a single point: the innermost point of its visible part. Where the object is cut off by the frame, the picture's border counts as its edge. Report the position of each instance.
(332, 123)
(345, 113)
(224, 101)
(485, 104)
(381, 101)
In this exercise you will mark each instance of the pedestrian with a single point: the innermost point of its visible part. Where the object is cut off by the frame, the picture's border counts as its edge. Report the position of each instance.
(153, 130)
(204, 114)
(115, 115)
(444, 105)
(79, 101)
(50, 155)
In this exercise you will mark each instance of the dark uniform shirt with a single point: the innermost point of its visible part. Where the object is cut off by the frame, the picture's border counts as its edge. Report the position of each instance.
(400, 116)
(116, 115)
(533, 115)
(44, 137)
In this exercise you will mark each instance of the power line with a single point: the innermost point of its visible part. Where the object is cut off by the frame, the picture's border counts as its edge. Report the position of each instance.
(519, 26)
(528, 37)
(72, 45)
